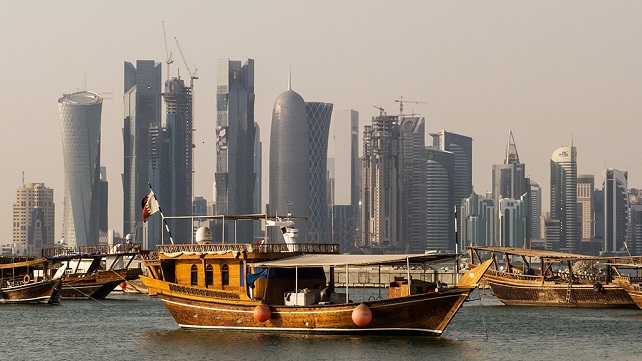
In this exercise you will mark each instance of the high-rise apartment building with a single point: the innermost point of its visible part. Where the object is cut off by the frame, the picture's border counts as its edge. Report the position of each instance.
(381, 180)
(236, 139)
(319, 115)
(512, 222)
(564, 197)
(413, 194)
(80, 115)
(440, 199)
(33, 219)
(142, 101)
(616, 208)
(289, 161)
(585, 189)
(635, 229)
(536, 211)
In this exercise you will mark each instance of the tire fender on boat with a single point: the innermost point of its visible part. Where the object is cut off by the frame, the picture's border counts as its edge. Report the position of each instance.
(598, 287)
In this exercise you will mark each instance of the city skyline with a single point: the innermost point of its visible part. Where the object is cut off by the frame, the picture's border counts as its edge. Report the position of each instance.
(552, 77)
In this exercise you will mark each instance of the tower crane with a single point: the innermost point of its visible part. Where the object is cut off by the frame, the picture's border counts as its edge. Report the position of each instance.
(192, 76)
(401, 101)
(168, 55)
(382, 111)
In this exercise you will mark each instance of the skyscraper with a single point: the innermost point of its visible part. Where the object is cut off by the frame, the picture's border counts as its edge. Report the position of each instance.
(462, 147)
(142, 100)
(381, 185)
(440, 199)
(509, 179)
(477, 221)
(635, 229)
(344, 130)
(616, 208)
(176, 193)
(236, 140)
(33, 219)
(319, 115)
(564, 197)
(585, 189)
(536, 210)
(80, 114)
(413, 203)
(289, 160)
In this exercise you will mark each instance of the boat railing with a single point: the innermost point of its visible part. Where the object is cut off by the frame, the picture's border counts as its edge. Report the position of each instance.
(90, 250)
(251, 248)
(515, 276)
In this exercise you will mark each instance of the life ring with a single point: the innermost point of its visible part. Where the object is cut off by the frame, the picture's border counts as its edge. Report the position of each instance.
(26, 279)
(598, 287)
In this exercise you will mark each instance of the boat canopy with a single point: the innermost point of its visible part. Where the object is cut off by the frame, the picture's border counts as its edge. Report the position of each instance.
(537, 253)
(319, 260)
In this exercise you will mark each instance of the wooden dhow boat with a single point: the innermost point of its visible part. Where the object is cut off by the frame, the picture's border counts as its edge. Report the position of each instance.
(547, 278)
(93, 272)
(628, 275)
(284, 288)
(23, 280)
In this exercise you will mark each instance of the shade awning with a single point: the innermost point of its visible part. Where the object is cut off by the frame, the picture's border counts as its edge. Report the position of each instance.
(537, 253)
(319, 260)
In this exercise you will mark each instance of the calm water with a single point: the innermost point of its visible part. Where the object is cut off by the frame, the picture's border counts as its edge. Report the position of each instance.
(135, 327)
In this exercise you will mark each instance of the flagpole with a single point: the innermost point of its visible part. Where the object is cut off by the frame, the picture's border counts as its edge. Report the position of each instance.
(160, 210)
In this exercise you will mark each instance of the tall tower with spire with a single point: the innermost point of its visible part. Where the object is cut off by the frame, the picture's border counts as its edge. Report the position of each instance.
(509, 180)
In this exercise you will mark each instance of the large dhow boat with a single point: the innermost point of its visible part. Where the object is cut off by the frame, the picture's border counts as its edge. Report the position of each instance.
(547, 278)
(25, 280)
(628, 274)
(93, 272)
(283, 287)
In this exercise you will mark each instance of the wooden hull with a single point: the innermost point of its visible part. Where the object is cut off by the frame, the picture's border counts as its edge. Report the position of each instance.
(533, 293)
(94, 286)
(423, 314)
(634, 291)
(45, 291)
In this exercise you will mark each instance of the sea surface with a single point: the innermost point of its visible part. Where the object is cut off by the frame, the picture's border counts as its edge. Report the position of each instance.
(136, 327)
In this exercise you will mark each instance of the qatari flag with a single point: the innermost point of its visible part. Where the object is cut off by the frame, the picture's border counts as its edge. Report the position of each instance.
(150, 205)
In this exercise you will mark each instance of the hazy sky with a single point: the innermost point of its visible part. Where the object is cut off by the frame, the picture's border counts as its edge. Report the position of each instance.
(550, 71)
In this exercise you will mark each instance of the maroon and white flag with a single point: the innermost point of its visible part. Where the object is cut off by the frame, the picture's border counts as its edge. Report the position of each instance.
(150, 205)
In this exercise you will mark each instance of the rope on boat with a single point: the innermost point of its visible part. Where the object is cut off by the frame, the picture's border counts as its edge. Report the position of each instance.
(128, 283)
(88, 295)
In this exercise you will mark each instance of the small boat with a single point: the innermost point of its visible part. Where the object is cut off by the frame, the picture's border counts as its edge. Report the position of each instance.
(93, 272)
(546, 278)
(628, 275)
(23, 280)
(284, 287)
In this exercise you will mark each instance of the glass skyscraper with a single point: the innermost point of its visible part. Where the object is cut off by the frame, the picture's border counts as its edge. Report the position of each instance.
(564, 197)
(413, 203)
(80, 115)
(142, 100)
(616, 208)
(440, 199)
(319, 115)
(236, 140)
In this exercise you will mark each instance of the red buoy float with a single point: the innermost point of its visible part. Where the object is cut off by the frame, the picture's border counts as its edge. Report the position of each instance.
(123, 285)
(262, 312)
(361, 315)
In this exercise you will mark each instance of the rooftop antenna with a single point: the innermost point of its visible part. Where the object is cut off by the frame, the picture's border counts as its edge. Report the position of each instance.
(290, 78)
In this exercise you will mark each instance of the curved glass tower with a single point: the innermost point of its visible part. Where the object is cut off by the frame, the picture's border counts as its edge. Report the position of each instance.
(564, 196)
(80, 125)
(290, 158)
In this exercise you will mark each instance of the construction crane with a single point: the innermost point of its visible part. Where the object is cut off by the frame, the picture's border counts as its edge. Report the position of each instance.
(192, 76)
(168, 55)
(382, 111)
(401, 101)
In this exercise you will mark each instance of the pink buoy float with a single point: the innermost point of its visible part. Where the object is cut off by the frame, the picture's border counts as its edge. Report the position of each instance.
(262, 312)
(362, 315)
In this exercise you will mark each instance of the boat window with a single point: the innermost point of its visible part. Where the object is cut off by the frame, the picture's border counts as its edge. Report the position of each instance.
(194, 279)
(209, 275)
(225, 275)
